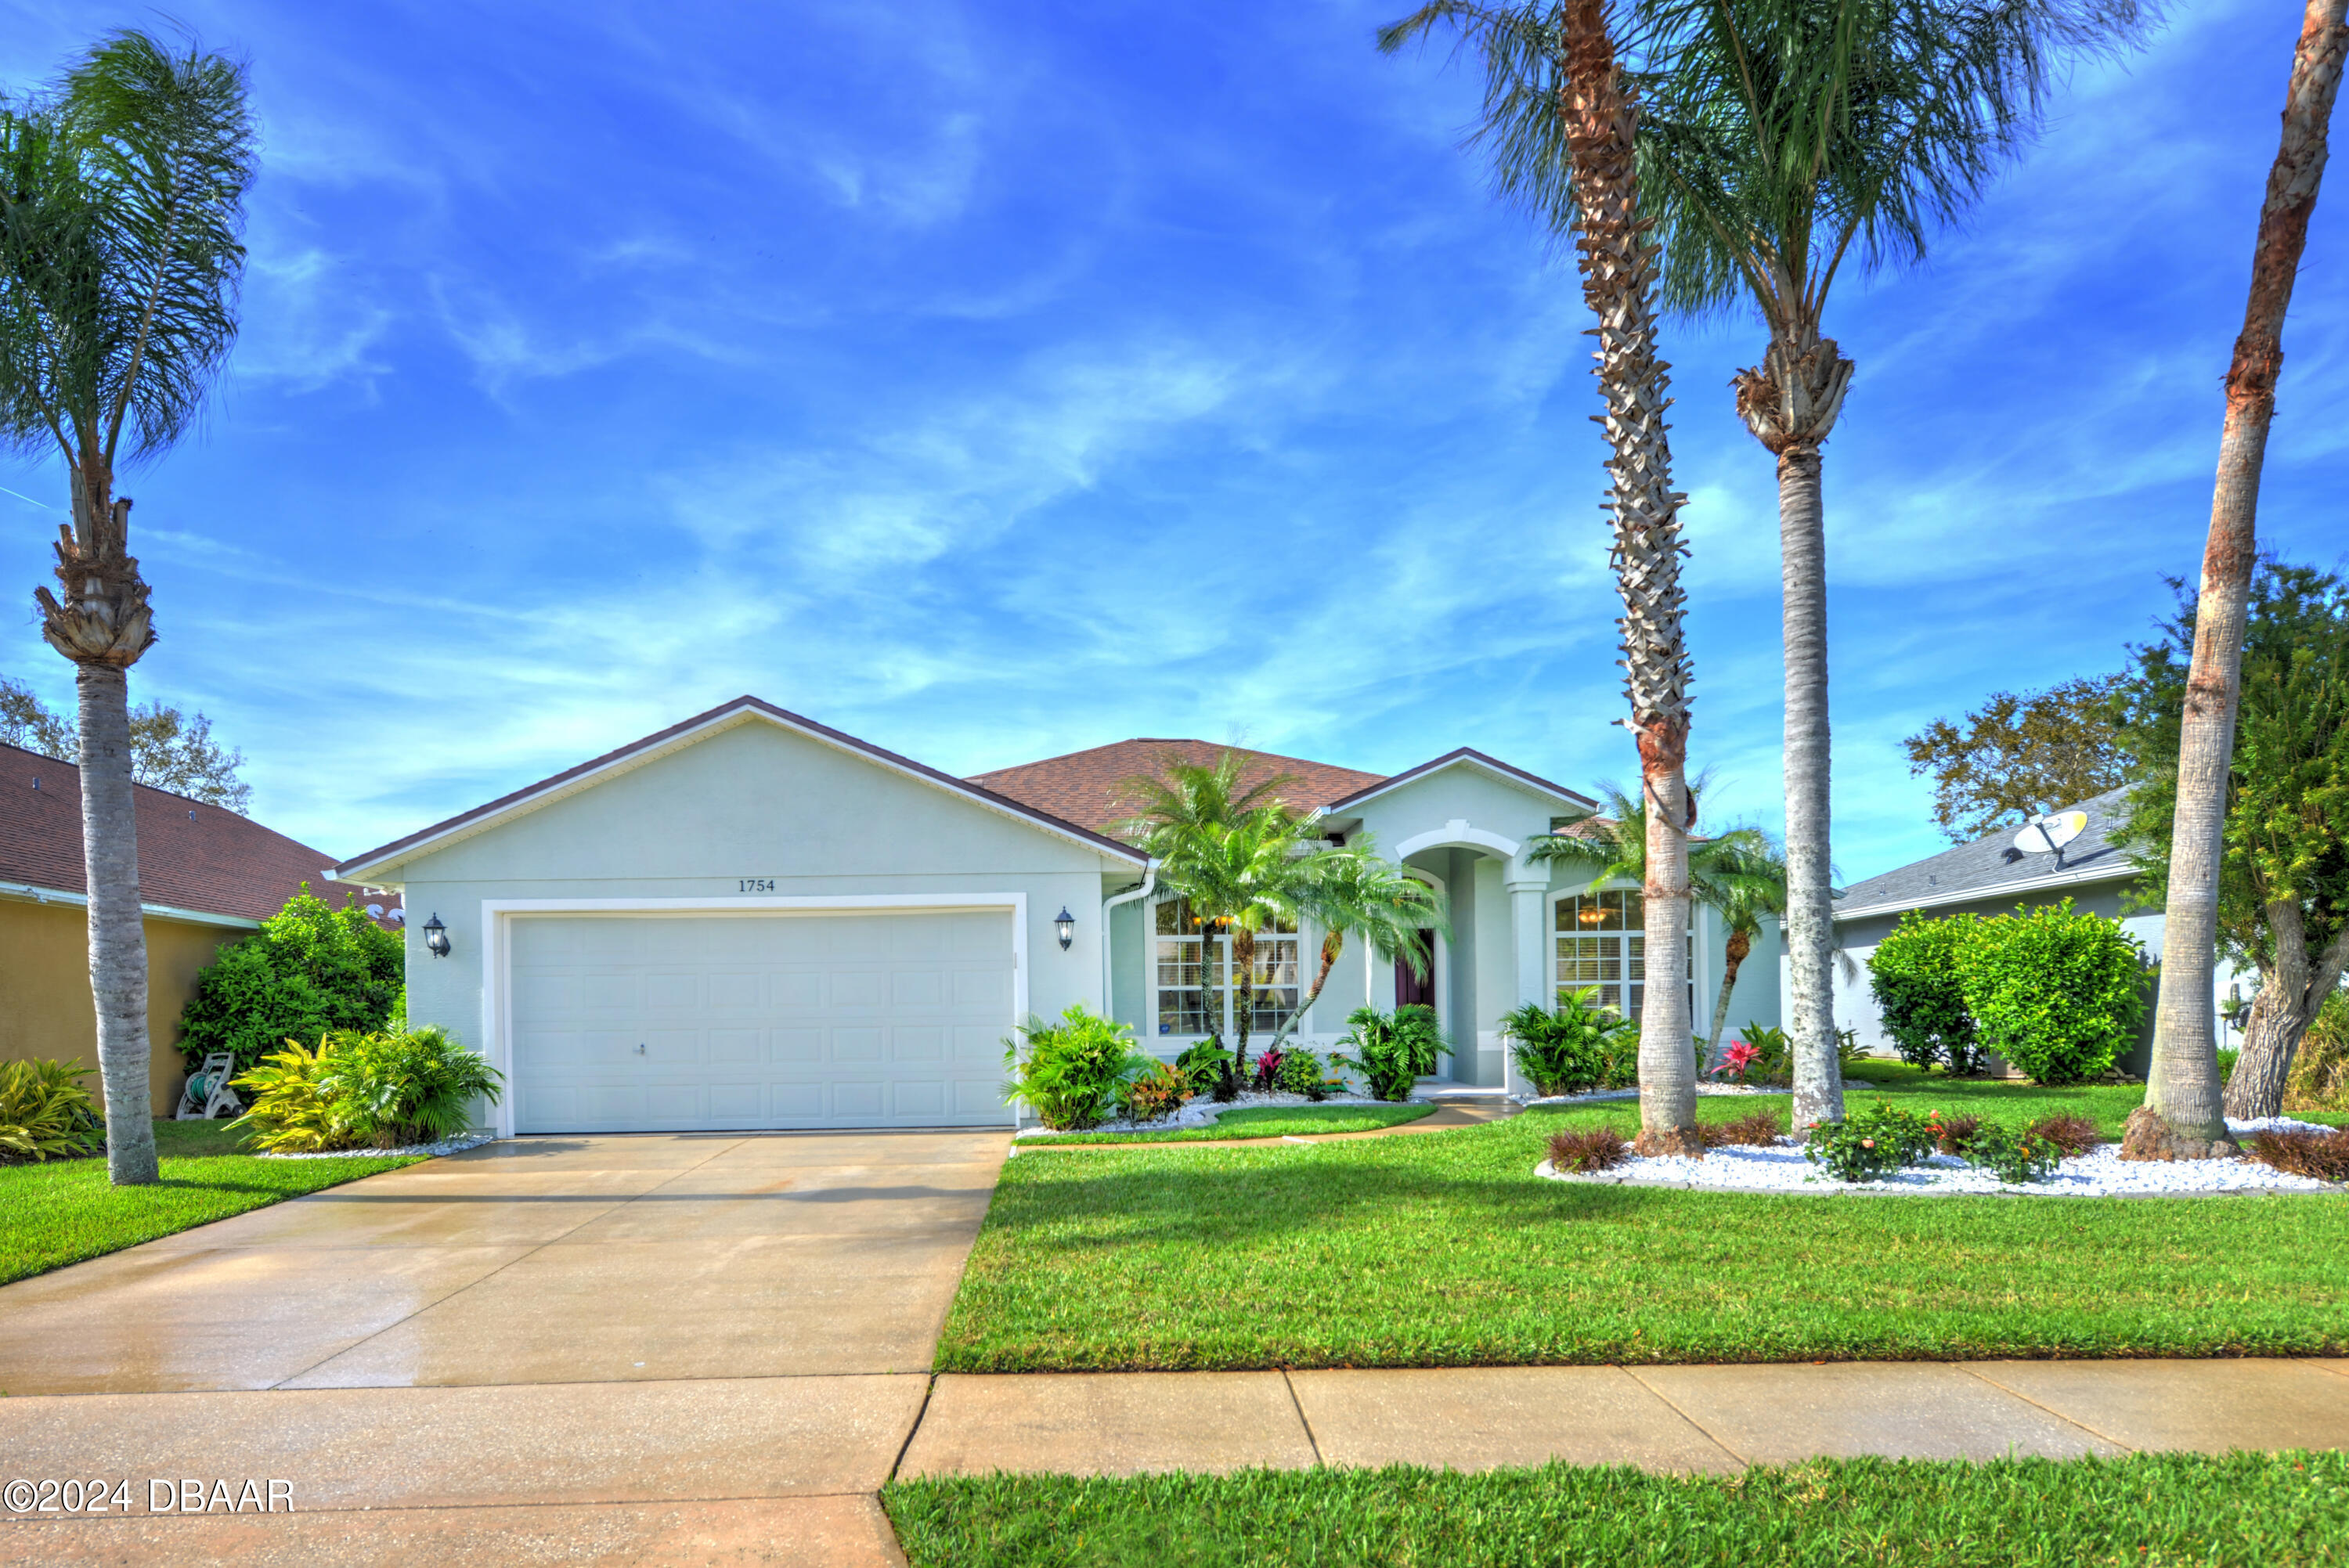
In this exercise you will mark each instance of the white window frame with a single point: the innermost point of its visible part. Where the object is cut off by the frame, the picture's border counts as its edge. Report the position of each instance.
(1550, 935)
(1151, 936)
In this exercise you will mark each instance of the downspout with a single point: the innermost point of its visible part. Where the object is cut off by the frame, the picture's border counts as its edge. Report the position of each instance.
(1149, 881)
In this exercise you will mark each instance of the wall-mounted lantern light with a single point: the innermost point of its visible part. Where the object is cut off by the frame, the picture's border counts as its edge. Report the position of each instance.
(1066, 925)
(436, 937)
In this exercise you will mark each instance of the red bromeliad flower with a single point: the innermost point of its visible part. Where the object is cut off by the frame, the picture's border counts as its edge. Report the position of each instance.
(1737, 1059)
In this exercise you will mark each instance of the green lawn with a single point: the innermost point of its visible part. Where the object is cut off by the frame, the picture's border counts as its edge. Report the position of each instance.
(2147, 1509)
(1260, 1121)
(1444, 1249)
(63, 1210)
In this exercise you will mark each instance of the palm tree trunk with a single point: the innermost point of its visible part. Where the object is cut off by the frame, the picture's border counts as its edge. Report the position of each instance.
(1243, 991)
(102, 623)
(1618, 262)
(1332, 945)
(1810, 913)
(1733, 954)
(2181, 1116)
(2291, 992)
(118, 935)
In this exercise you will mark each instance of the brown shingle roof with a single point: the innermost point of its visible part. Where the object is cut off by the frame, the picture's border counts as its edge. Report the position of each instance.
(214, 860)
(1088, 788)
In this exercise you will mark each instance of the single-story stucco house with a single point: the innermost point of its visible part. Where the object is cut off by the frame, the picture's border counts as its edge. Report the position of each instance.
(206, 877)
(751, 920)
(1997, 874)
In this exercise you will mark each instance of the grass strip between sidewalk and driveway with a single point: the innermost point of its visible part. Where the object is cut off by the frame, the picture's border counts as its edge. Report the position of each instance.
(1259, 1121)
(2139, 1510)
(1444, 1249)
(60, 1211)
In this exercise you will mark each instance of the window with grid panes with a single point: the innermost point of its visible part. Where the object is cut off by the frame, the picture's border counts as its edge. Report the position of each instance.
(1193, 969)
(1602, 941)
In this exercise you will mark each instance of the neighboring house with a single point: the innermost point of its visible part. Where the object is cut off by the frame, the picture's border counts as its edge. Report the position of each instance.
(751, 920)
(1991, 875)
(206, 876)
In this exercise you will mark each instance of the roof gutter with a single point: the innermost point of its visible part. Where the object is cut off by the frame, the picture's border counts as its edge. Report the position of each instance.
(1149, 881)
(32, 893)
(1996, 890)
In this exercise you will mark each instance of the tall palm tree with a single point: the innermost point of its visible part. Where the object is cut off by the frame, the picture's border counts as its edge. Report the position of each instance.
(2182, 1113)
(1560, 114)
(1784, 141)
(121, 201)
(1355, 892)
(1740, 875)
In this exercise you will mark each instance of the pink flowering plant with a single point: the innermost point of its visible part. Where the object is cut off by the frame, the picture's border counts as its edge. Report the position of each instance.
(1735, 1060)
(1873, 1144)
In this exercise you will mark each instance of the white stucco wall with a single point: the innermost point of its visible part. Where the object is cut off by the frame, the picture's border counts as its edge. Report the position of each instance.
(754, 803)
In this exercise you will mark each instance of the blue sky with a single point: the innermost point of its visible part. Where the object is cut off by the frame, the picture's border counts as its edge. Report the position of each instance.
(992, 381)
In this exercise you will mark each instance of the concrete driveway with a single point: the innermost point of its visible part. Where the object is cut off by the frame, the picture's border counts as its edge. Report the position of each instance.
(723, 1335)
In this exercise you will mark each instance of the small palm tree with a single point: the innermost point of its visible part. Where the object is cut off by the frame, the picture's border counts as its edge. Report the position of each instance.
(121, 198)
(1354, 892)
(1740, 875)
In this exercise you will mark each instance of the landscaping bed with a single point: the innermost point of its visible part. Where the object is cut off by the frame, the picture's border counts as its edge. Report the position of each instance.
(2144, 1509)
(60, 1211)
(1291, 1116)
(1444, 1249)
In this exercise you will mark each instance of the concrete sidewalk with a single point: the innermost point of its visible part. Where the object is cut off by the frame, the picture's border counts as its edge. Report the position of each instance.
(1681, 1418)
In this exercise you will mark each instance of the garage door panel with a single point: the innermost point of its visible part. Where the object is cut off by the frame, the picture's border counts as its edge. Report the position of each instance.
(790, 1020)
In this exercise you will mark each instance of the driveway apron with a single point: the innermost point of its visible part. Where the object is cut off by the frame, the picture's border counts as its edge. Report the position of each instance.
(715, 1344)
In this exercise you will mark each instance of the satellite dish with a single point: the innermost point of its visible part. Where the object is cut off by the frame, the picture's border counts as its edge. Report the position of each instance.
(396, 915)
(2048, 835)
(375, 911)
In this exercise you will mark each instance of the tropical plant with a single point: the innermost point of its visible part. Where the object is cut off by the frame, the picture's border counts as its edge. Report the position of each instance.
(408, 1086)
(1155, 1091)
(2283, 874)
(1772, 1059)
(1754, 1130)
(121, 196)
(2058, 993)
(2182, 1113)
(1205, 1066)
(1352, 892)
(2019, 756)
(2301, 1152)
(1564, 56)
(311, 968)
(1392, 1050)
(1068, 1071)
(1914, 973)
(1566, 1049)
(2072, 1133)
(1302, 1072)
(291, 1107)
(45, 1114)
(1585, 1149)
(1242, 862)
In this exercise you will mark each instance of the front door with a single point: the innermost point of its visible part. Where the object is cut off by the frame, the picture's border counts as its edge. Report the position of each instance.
(1411, 987)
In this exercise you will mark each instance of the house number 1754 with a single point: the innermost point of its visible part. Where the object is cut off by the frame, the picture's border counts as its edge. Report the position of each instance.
(756, 884)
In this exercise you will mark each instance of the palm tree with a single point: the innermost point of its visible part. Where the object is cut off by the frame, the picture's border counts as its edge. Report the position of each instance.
(121, 198)
(1558, 107)
(1355, 892)
(2182, 1114)
(1783, 139)
(1740, 875)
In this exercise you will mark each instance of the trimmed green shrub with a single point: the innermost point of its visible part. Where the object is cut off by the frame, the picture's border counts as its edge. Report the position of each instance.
(415, 1085)
(2058, 993)
(1391, 1050)
(1302, 1072)
(1072, 1068)
(1870, 1144)
(1914, 973)
(1568, 1050)
(45, 1114)
(307, 971)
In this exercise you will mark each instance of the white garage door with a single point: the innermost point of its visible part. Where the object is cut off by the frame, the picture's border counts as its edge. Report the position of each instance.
(673, 1024)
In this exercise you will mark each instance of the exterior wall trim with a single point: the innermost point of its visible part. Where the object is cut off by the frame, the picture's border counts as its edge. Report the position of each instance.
(499, 914)
(1996, 890)
(31, 893)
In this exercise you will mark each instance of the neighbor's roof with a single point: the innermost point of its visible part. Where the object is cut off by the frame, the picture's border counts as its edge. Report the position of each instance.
(201, 859)
(1985, 869)
(1088, 787)
(743, 709)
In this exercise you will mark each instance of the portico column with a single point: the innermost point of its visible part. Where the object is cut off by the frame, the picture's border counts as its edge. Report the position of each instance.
(1528, 887)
